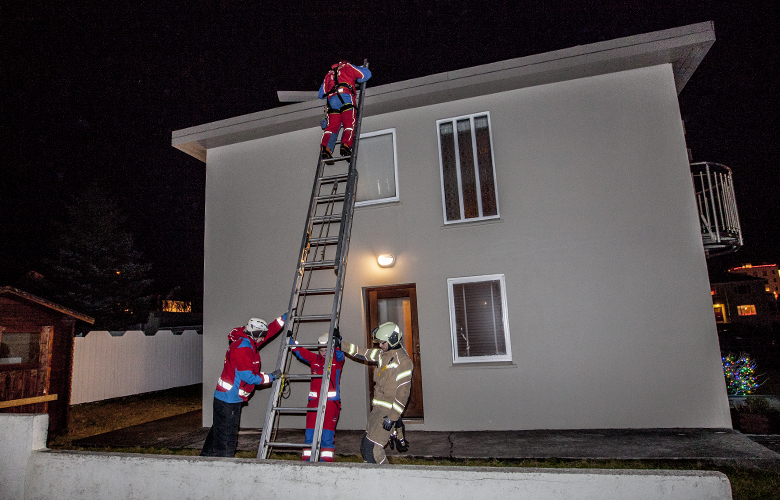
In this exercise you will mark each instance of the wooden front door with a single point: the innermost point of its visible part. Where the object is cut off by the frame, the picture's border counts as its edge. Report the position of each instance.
(398, 303)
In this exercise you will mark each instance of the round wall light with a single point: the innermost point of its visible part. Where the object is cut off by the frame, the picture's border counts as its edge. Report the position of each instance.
(385, 260)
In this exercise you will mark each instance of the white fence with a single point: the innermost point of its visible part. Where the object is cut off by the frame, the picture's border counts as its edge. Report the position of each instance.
(107, 367)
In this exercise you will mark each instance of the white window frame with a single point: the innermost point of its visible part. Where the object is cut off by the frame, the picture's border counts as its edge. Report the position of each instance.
(454, 122)
(456, 359)
(397, 196)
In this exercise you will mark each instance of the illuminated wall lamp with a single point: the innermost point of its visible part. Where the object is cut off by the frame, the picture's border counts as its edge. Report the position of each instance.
(385, 260)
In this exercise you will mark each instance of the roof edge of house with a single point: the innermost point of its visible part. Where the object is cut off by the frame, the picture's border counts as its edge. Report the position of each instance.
(683, 47)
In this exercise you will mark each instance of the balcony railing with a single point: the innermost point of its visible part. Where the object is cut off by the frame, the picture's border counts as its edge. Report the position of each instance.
(720, 230)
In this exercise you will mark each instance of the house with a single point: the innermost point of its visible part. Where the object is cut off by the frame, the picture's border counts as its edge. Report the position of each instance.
(36, 355)
(768, 272)
(746, 314)
(492, 186)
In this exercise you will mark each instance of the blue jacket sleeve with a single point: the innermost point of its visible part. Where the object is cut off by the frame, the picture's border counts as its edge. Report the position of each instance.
(250, 378)
(322, 90)
(366, 74)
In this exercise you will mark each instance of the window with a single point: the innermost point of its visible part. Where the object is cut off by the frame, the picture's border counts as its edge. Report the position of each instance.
(468, 177)
(377, 169)
(720, 313)
(17, 348)
(478, 319)
(749, 310)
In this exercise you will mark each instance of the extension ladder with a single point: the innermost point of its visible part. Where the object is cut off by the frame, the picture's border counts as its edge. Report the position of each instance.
(319, 276)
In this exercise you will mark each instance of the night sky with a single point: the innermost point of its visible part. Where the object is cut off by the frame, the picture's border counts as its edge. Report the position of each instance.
(91, 92)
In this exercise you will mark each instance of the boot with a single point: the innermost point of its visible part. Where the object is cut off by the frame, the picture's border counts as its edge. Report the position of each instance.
(345, 150)
(326, 154)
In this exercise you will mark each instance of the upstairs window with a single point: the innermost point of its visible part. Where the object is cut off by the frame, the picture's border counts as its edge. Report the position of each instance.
(377, 168)
(478, 319)
(468, 177)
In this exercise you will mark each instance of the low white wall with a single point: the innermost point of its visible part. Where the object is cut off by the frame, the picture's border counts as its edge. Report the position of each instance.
(107, 367)
(85, 475)
(20, 435)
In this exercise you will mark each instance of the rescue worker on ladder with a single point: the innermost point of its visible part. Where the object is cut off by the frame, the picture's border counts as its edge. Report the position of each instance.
(240, 373)
(392, 385)
(332, 407)
(339, 90)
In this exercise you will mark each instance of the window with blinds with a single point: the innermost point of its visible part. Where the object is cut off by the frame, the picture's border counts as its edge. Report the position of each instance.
(467, 169)
(478, 319)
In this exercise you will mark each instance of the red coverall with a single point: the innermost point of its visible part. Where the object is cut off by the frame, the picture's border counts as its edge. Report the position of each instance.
(333, 406)
(341, 101)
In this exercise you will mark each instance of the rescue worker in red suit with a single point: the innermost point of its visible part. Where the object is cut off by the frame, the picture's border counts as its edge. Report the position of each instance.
(240, 374)
(333, 406)
(339, 90)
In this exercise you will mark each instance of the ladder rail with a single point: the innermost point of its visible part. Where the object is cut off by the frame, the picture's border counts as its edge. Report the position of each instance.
(298, 294)
(273, 401)
(345, 231)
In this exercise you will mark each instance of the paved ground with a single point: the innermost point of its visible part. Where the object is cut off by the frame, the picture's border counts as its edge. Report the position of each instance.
(721, 446)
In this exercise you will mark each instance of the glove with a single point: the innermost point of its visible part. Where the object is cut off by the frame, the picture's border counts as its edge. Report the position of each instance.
(289, 334)
(401, 444)
(387, 424)
(336, 338)
(275, 375)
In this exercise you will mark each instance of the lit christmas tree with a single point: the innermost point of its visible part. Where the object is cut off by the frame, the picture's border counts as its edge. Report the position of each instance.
(740, 372)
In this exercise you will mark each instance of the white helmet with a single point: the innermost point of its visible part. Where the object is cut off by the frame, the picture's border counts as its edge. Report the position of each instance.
(323, 339)
(390, 333)
(256, 327)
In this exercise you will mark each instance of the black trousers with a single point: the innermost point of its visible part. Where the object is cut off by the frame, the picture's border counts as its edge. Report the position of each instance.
(223, 436)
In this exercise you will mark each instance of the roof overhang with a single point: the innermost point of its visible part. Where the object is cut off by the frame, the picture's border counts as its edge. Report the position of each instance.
(8, 290)
(682, 47)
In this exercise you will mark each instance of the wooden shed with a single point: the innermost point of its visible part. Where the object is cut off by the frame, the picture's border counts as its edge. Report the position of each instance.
(36, 355)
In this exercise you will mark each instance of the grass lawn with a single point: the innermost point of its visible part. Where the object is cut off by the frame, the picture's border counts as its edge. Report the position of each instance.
(90, 419)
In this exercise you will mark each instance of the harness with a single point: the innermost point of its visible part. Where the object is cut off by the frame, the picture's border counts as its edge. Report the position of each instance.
(335, 90)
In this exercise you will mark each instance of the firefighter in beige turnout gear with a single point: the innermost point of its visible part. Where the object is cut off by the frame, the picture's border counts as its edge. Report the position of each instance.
(392, 385)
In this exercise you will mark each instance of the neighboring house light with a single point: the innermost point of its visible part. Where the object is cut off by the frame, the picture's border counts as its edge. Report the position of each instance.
(720, 313)
(177, 306)
(385, 260)
(478, 319)
(468, 176)
(746, 310)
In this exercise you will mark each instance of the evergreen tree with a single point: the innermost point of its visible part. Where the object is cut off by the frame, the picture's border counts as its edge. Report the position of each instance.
(96, 269)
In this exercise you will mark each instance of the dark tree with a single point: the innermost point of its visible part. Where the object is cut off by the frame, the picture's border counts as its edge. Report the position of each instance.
(96, 270)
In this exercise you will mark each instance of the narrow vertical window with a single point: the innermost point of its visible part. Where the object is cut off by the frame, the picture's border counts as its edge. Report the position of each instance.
(467, 168)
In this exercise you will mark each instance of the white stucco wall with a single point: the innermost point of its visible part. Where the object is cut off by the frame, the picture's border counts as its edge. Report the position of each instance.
(608, 296)
(29, 472)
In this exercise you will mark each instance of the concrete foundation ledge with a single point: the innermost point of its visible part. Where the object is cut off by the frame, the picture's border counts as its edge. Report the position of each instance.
(90, 475)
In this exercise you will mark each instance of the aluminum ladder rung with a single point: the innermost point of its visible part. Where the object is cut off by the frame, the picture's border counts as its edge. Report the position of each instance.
(319, 264)
(330, 179)
(273, 444)
(317, 291)
(326, 219)
(337, 158)
(326, 240)
(301, 376)
(329, 198)
(313, 317)
(293, 409)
